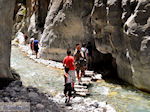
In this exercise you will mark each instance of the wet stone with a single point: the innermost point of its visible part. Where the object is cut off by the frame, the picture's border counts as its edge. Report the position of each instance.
(95, 104)
(24, 97)
(16, 83)
(32, 89)
(6, 99)
(17, 89)
(5, 94)
(40, 106)
(13, 94)
(23, 91)
(44, 101)
(33, 95)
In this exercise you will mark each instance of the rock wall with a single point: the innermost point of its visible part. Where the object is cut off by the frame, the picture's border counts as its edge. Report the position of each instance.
(66, 24)
(124, 32)
(6, 23)
(120, 28)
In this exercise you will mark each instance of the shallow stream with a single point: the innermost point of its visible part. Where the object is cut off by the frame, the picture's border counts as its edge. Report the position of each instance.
(122, 96)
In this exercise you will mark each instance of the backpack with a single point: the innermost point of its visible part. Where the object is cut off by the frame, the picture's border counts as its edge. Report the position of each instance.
(80, 60)
(84, 50)
(36, 42)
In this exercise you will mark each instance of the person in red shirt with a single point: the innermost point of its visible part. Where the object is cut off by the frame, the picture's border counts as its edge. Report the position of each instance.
(68, 63)
(70, 78)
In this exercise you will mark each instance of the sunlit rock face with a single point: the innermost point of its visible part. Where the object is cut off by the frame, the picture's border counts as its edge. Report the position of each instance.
(124, 31)
(66, 24)
(137, 30)
(6, 22)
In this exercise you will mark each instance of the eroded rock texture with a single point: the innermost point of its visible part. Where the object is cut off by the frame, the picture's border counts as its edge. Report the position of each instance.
(66, 24)
(6, 23)
(120, 28)
(125, 34)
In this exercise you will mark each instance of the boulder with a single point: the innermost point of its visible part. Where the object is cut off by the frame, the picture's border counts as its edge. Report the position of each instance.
(39, 106)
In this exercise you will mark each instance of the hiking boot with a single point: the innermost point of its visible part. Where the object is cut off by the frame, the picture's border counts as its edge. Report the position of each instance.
(66, 101)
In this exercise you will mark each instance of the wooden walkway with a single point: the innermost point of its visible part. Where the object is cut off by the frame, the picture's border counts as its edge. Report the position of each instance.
(82, 88)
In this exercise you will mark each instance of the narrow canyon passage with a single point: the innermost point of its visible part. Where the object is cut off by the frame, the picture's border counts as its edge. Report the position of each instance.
(123, 97)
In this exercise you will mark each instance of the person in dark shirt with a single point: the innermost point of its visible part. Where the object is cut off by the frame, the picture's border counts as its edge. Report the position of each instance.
(36, 47)
(89, 55)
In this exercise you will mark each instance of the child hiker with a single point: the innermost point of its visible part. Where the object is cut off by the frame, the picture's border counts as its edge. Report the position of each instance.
(69, 76)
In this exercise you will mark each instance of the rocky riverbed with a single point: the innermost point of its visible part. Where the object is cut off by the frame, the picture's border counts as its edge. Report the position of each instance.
(122, 96)
(53, 83)
(39, 102)
(82, 104)
(42, 102)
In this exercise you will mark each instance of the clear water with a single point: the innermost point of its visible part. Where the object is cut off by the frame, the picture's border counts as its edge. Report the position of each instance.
(45, 78)
(123, 97)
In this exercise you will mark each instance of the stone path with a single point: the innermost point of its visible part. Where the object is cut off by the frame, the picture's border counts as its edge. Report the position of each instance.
(82, 88)
(79, 103)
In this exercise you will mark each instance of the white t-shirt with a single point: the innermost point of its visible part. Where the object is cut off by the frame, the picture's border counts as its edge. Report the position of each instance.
(85, 51)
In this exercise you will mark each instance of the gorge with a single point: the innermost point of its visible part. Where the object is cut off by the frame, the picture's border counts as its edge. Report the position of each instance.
(117, 29)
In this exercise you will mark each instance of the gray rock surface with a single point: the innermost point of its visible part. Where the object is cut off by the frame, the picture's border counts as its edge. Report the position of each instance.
(117, 27)
(127, 27)
(39, 102)
(6, 23)
(66, 25)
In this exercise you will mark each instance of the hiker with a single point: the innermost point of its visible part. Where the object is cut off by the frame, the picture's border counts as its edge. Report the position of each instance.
(89, 55)
(85, 53)
(36, 47)
(68, 86)
(79, 62)
(69, 76)
(31, 44)
(25, 39)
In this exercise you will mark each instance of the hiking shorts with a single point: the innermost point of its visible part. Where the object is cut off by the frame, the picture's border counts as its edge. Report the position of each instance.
(36, 49)
(68, 89)
(80, 67)
(73, 76)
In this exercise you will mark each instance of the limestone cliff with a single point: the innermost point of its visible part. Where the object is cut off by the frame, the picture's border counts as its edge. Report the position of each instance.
(6, 23)
(117, 27)
(124, 32)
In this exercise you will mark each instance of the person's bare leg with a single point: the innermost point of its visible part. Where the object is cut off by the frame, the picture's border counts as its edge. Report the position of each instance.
(72, 84)
(69, 99)
(82, 71)
(78, 76)
(37, 55)
(82, 74)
